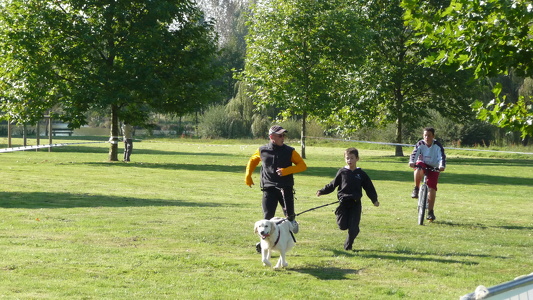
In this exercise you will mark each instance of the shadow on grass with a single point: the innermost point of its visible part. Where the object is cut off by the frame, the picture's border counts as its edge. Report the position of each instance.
(407, 176)
(328, 273)
(406, 255)
(167, 166)
(451, 161)
(376, 175)
(68, 200)
(104, 150)
(481, 226)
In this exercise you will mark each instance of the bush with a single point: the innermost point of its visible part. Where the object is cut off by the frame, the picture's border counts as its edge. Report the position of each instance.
(260, 126)
(216, 122)
(477, 133)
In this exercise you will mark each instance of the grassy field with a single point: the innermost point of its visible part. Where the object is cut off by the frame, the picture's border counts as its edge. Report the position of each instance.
(177, 223)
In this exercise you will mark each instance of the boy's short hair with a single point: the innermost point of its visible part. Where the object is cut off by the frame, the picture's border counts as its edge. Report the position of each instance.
(351, 150)
(430, 129)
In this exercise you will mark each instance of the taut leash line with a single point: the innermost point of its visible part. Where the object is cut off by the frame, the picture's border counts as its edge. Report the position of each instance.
(317, 207)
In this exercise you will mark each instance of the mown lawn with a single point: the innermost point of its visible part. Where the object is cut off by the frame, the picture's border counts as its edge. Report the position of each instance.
(177, 223)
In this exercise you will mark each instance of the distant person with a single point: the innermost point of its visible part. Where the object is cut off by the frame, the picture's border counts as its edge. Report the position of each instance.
(127, 131)
(350, 182)
(279, 163)
(428, 152)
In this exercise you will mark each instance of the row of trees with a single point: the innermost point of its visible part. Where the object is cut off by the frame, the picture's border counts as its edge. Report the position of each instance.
(353, 64)
(345, 64)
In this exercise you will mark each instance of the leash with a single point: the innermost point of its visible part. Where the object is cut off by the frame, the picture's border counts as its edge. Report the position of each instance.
(317, 207)
(284, 219)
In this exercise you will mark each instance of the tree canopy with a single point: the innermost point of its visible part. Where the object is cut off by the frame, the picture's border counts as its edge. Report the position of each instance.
(489, 36)
(391, 86)
(129, 57)
(298, 54)
(349, 64)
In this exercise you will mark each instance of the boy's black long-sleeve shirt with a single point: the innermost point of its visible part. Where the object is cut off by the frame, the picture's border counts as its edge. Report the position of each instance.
(350, 184)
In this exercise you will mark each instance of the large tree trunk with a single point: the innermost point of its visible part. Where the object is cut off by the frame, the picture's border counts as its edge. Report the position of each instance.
(399, 149)
(113, 140)
(304, 118)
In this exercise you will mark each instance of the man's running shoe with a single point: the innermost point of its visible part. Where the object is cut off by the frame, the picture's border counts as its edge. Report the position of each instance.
(258, 247)
(414, 194)
(431, 216)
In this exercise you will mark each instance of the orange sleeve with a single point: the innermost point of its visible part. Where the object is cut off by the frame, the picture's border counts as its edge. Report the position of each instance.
(299, 165)
(250, 167)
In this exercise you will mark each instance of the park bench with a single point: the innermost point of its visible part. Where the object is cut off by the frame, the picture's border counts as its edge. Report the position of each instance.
(61, 129)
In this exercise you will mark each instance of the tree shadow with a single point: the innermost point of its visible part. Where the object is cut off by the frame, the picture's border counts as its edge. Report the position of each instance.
(481, 226)
(167, 166)
(475, 161)
(70, 200)
(445, 177)
(408, 255)
(103, 150)
(327, 273)
(376, 175)
(389, 175)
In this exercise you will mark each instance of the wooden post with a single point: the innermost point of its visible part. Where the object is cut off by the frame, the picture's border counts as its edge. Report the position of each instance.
(50, 134)
(9, 133)
(24, 137)
(38, 135)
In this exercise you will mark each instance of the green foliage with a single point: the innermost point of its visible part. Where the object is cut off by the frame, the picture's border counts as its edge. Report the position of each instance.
(349, 64)
(217, 123)
(396, 88)
(234, 48)
(299, 54)
(260, 126)
(477, 133)
(78, 55)
(514, 116)
(490, 37)
(214, 123)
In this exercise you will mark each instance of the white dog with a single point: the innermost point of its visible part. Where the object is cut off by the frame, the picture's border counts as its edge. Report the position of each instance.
(276, 234)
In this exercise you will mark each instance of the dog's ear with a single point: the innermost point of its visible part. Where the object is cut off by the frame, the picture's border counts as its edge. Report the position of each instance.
(255, 227)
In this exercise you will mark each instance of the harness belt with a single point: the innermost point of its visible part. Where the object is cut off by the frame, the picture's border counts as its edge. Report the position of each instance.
(279, 232)
(277, 240)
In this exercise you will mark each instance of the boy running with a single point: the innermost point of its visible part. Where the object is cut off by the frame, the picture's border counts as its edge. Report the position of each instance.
(350, 181)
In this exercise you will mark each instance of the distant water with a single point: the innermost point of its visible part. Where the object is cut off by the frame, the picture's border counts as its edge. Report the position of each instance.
(88, 131)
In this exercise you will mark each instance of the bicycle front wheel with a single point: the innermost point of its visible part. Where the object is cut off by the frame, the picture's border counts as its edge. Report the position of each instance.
(422, 201)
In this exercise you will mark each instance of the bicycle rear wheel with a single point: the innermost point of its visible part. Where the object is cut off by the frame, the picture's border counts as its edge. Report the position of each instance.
(422, 201)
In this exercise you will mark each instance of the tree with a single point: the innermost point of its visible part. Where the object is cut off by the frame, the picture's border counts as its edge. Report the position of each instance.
(234, 49)
(391, 86)
(128, 57)
(299, 54)
(491, 37)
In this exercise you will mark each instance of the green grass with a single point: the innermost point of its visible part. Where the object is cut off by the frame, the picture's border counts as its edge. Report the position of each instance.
(177, 222)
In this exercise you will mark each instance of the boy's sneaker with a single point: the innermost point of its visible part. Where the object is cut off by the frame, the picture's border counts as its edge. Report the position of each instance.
(258, 247)
(295, 227)
(414, 194)
(431, 216)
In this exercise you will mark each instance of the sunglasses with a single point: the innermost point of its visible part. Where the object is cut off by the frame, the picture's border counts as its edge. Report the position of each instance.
(280, 135)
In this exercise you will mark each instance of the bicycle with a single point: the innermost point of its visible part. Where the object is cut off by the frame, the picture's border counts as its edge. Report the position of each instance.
(423, 195)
